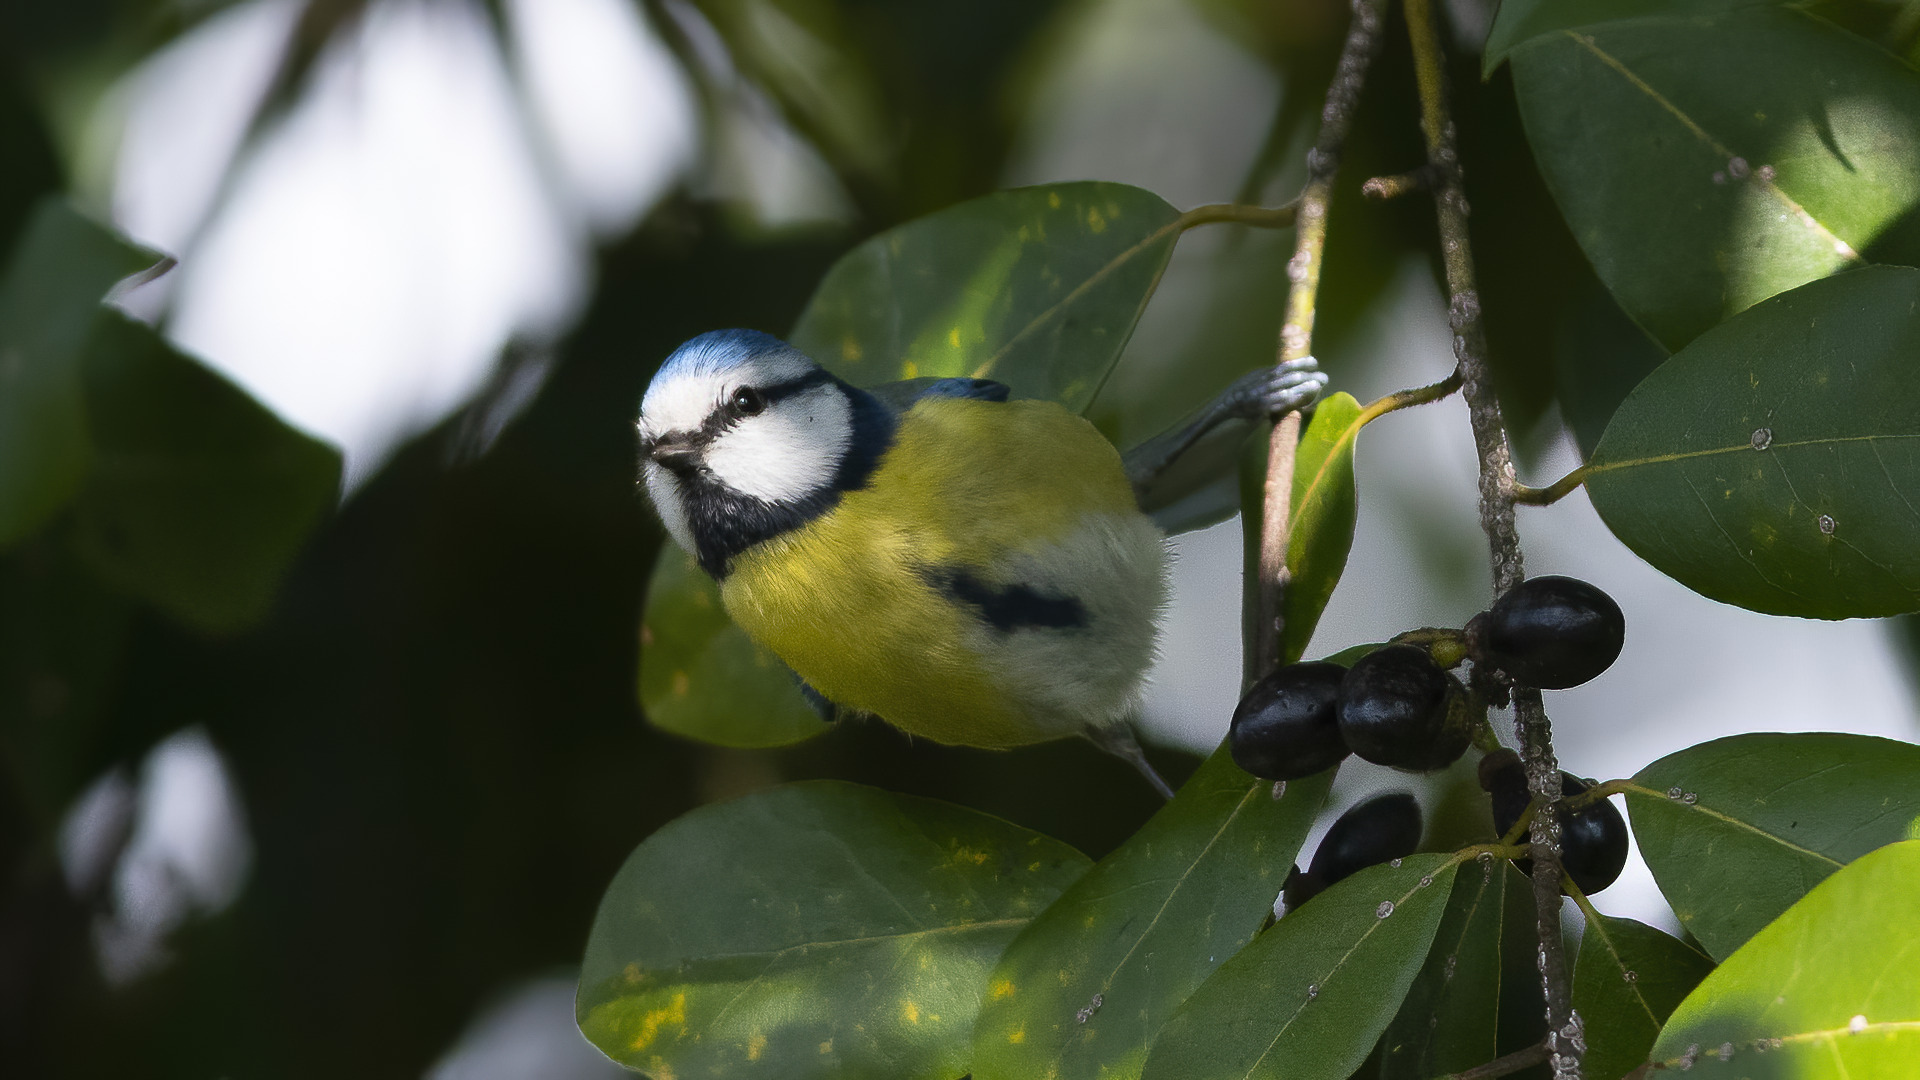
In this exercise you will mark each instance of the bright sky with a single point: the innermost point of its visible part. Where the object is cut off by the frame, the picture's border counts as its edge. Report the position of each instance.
(412, 214)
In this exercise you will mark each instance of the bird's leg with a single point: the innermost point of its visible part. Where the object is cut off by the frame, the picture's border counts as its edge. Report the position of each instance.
(1268, 392)
(1118, 739)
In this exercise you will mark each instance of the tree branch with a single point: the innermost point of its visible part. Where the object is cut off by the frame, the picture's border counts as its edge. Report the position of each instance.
(1296, 334)
(1503, 1066)
(1565, 1039)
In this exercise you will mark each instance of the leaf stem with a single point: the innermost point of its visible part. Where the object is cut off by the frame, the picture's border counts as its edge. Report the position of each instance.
(1260, 217)
(1407, 399)
(1296, 333)
(1598, 792)
(1565, 1038)
(1553, 492)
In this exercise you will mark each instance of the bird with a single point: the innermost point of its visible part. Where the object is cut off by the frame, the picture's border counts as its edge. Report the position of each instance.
(971, 567)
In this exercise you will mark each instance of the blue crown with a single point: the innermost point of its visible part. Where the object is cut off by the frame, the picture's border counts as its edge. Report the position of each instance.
(720, 351)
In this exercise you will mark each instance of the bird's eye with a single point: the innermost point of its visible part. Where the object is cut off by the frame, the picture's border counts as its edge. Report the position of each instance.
(748, 402)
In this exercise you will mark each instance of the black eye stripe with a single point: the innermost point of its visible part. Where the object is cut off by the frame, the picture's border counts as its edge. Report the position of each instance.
(728, 414)
(811, 379)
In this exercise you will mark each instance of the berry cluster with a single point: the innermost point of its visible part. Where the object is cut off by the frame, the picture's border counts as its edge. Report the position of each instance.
(1399, 706)
(1395, 706)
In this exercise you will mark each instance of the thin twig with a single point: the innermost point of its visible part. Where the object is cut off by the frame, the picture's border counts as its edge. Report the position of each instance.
(1296, 334)
(1552, 493)
(1406, 183)
(1565, 1038)
(1503, 1066)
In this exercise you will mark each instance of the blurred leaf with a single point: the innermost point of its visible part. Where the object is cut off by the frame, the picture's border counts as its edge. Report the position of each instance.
(702, 677)
(816, 930)
(1520, 21)
(1038, 288)
(1082, 992)
(799, 51)
(1775, 463)
(198, 497)
(1706, 163)
(1626, 980)
(62, 634)
(1325, 507)
(1737, 829)
(1449, 1021)
(33, 170)
(1825, 991)
(1308, 999)
(61, 268)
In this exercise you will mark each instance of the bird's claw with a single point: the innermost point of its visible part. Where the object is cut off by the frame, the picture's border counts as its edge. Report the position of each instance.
(1292, 385)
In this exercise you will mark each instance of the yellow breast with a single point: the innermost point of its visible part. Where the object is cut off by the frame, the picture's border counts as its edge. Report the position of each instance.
(1022, 497)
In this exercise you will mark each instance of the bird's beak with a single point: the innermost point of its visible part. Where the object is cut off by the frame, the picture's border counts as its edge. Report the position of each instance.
(681, 456)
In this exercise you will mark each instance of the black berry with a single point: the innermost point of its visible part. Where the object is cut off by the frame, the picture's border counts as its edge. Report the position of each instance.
(1301, 887)
(1398, 708)
(1593, 839)
(1381, 829)
(1288, 725)
(1550, 632)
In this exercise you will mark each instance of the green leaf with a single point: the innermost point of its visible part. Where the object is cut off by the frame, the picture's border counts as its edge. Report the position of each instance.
(1706, 163)
(1038, 288)
(1308, 999)
(1775, 462)
(1737, 829)
(1520, 21)
(198, 497)
(58, 272)
(816, 930)
(1826, 991)
(1626, 980)
(1128, 942)
(702, 677)
(1325, 507)
(1450, 1019)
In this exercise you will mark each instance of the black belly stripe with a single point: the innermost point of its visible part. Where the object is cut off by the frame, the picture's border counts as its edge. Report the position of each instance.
(1008, 607)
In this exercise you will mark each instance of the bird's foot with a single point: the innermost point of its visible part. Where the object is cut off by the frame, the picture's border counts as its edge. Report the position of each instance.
(1285, 387)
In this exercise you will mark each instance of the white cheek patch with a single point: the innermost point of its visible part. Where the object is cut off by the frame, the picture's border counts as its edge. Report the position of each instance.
(664, 489)
(788, 452)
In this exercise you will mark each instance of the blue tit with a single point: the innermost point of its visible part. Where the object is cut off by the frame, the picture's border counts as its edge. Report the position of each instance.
(972, 569)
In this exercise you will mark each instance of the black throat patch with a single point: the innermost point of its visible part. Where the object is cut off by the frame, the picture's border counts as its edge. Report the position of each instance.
(726, 523)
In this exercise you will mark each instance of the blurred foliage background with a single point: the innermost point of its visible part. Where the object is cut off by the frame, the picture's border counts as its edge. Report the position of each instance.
(409, 778)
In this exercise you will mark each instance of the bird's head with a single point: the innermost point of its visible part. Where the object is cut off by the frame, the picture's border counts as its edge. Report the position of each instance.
(742, 437)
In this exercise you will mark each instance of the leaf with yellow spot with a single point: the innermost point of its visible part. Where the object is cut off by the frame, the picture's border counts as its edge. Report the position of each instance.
(702, 677)
(812, 931)
(1038, 288)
